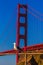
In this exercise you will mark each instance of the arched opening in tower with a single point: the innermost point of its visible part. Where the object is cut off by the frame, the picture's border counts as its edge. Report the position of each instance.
(33, 62)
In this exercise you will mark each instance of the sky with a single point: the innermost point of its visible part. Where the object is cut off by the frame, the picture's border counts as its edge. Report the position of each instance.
(8, 20)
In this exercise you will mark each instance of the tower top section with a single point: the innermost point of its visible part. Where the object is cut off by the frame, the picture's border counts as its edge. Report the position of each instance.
(22, 23)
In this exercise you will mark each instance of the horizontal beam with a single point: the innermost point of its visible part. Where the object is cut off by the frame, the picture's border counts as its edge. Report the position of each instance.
(30, 53)
(36, 49)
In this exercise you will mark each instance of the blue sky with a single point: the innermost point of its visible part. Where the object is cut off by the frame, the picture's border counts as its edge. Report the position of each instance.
(8, 19)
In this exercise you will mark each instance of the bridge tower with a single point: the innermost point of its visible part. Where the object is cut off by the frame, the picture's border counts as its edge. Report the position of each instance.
(20, 24)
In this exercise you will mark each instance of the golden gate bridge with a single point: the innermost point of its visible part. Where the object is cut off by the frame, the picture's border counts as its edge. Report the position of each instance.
(27, 50)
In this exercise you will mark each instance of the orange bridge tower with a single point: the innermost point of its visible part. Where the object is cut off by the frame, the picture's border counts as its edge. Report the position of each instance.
(22, 13)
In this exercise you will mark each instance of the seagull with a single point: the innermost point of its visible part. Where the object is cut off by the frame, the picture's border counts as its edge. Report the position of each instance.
(16, 47)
